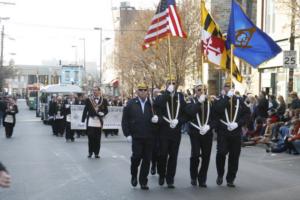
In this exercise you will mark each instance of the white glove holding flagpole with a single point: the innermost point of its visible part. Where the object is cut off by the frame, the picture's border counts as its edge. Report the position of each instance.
(173, 123)
(202, 98)
(101, 114)
(154, 119)
(171, 88)
(230, 93)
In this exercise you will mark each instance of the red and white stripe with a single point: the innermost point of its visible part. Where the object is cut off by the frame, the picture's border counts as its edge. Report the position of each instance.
(164, 23)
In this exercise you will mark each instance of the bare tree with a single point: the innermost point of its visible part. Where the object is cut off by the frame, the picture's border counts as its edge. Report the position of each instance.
(5, 73)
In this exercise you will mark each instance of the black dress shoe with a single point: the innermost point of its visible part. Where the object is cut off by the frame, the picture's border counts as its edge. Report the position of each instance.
(219, 180)
(144, 187)
(171, 186)
(153, 170)
(90, 155)
(97, 156)
(134, 181)
(203, 185)
(230, 184)
(193, 182)
(161, 181)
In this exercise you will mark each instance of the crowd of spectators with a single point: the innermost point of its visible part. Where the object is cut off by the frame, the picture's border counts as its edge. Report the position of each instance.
(273, 123)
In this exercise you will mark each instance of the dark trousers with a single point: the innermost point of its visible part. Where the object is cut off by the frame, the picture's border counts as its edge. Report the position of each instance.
(9, 130)
(59, 127)
(167, 161)
(141, 151)
(69, 132)
(231, 144)
(155, 153)
(54, 131)
(200, 147)
(94, 140)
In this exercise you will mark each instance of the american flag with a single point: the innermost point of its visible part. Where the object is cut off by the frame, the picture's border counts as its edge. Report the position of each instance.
(165, 21)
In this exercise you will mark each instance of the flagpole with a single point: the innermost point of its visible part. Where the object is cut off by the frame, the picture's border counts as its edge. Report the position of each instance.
(231, 70)
(202, 68)
(170, 74)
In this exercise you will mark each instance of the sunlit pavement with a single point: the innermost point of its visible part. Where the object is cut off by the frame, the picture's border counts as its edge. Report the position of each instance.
(44, 167)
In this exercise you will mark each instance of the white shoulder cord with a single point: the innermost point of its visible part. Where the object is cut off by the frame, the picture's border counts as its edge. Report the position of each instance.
(198, 119)
(235, 114)
(169, 119)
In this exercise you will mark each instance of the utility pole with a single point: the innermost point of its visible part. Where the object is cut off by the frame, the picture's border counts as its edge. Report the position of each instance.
(292, 42)
(2, 39)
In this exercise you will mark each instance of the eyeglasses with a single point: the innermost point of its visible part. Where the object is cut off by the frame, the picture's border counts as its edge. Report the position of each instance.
(199, 90)
(173, 83)
(142, 90)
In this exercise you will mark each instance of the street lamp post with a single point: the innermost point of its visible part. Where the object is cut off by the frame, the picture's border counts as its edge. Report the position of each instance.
(100, 64)
(2, 40)
(75, 47)
(83, 39)
(101, 42)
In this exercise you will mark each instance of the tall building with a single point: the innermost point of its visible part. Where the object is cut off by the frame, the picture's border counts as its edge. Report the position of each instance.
(275, 18)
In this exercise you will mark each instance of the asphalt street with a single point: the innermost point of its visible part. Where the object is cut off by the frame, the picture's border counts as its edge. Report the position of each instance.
(44, 167)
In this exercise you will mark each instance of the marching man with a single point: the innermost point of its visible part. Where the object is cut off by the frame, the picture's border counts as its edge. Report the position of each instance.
(232, 115)
(201, 124)
(138, 127)
(170, 110)
(94, 111)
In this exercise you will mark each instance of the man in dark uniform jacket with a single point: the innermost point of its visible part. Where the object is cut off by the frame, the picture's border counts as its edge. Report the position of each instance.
(9, 118)
(155, 150)
(52, 105)
(56, 111)
(138, 127)
(230, 122)
(94, 111)
(67, 116)
(200, 114)
(170, 110)
(80, 101)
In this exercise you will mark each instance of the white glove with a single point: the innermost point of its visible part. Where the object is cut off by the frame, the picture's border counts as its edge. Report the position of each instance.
(223, 92)
(232, 126)
(204, 129)
(154, 119)
(67, 106)
(101, 114)
(202, 98)
(171, 88)
(230, 93)
(129, 138)
(174, 123)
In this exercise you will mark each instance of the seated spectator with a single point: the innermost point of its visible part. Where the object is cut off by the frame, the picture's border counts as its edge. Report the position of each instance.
(281, 107)
(288, 135)
(265, 139)
(295, 104)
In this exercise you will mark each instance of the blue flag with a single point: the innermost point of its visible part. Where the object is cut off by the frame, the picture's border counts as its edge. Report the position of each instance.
(251, 44)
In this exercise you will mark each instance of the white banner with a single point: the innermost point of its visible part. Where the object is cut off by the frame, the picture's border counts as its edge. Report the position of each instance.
(76, 115)
(113, 118)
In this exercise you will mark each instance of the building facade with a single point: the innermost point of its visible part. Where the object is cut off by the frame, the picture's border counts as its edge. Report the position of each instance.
(31, 74)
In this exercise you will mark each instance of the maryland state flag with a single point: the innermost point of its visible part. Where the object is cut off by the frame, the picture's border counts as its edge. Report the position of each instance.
(213, 44)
